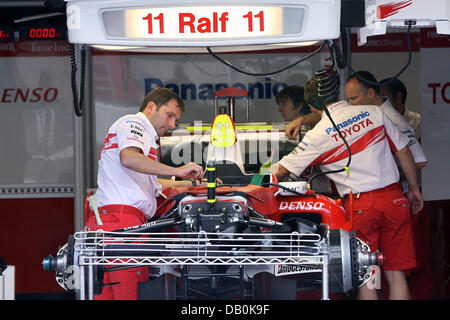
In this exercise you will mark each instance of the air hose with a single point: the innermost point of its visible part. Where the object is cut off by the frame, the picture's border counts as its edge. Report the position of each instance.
(327, 91)
(78, 105)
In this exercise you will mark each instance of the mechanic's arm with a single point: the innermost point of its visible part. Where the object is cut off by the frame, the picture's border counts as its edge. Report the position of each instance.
(279, 171)
(133, 159)
(420, 165)
(166, 183)
(416, 150)
(293, 127)
(408, 166)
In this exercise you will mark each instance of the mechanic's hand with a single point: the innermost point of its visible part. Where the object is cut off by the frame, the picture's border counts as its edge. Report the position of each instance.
(190, 171)
(204, 182)
(293, 127)
(415, 200)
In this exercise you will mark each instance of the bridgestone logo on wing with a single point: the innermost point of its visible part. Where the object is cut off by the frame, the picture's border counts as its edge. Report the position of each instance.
(286, 269)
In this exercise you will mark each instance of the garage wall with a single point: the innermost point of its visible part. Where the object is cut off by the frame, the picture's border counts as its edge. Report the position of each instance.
(36, 137)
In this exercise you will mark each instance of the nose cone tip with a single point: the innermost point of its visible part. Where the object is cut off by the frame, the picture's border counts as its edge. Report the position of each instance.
(380, 258)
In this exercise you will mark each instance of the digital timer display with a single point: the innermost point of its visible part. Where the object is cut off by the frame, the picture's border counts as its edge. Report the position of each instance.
(42, 33)
(6, 34)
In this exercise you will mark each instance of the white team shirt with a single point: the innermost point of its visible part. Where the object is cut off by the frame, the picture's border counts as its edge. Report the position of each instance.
(119, 185)
(406, 129)
(372, 137)
(413, 118)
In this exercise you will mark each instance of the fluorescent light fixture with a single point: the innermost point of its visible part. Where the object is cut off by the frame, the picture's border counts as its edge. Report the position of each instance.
(204, 50)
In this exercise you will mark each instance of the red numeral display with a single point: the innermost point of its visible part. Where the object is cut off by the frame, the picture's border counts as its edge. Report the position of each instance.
(259, 15)
(42, 33)
(149, 18)
(189, 22)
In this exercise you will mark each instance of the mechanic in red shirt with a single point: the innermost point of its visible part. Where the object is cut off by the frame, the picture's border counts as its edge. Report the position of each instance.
(381, 213)
(127, 179)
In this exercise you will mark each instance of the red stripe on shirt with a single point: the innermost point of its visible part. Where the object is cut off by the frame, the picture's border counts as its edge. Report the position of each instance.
(372, 137)
(153, 154)
(111, 146)
(107, 144)
(392, 145)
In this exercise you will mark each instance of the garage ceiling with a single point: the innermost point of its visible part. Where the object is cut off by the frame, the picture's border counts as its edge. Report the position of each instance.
(34, 12)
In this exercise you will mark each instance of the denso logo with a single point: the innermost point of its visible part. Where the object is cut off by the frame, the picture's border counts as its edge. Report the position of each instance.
(301, 205)
(15, 95)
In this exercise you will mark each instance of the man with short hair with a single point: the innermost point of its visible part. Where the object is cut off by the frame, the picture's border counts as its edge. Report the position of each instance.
(293, 109)
(360, 92)
(291, 103)
(127, 178)
(396, 92)
(380, 209)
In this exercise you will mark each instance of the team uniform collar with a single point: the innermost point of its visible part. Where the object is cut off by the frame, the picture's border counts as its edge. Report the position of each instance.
(149, 124)
(386, 102)
(335, 106)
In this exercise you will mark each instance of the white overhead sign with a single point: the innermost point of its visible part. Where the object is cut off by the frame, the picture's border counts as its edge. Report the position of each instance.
(201, 23)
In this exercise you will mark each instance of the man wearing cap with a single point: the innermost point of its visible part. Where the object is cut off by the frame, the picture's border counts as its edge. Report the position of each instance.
(381, 213)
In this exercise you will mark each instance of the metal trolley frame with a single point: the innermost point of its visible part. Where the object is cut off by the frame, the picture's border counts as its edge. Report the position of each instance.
(128, 250)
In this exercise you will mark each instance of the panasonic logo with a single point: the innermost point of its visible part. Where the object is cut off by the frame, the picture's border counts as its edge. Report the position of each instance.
(205, 91)
(348, 122)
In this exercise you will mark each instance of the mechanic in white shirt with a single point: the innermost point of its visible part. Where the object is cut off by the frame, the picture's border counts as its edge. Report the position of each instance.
(396, 92)
(381, 215)
(292, 106)
(360, 92)
(127, 178)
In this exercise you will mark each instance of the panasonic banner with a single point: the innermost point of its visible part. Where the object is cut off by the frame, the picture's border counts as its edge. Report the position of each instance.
(122, 80)
(36, 98)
